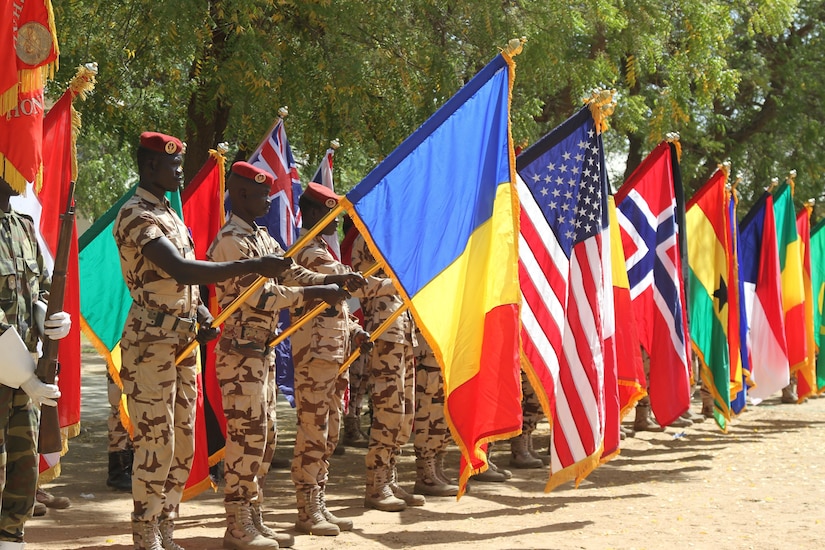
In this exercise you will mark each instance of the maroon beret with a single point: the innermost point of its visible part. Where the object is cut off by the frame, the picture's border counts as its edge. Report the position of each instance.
(161, 143)
(250, 172)
(321, 195)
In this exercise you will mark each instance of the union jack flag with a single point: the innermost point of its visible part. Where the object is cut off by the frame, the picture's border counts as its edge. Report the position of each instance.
(564, 274)
(275, 156)
(648, 218)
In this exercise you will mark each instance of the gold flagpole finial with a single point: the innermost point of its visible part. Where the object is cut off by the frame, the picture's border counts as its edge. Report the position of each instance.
(792, 180)
(673, 138)
(602, 103)
(283, 111)
(335, 144)
(514, 46)
(772, 186)
(222, 148)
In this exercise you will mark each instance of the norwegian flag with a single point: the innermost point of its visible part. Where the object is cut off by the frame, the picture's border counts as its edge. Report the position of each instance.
(564, 274)
(324, 176)
(275, 156)
(648, 217)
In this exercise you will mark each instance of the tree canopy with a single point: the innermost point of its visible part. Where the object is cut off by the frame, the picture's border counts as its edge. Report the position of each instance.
(740, 81)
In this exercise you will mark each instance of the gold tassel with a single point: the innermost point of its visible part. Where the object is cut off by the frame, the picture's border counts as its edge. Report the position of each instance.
(792, 180)
(602, 104)
(514, 46)
(673, 137)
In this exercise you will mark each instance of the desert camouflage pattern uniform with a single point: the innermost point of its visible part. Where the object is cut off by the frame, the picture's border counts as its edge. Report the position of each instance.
(319, 349)
(391, 369)
(530, 406)
(119, 439)
(23, 278)
(432, 435)
(245, 364)
(160, 395)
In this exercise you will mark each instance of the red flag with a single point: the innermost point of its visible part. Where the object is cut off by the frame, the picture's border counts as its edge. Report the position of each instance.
(29, 55)
(648, 218)
(203, 213)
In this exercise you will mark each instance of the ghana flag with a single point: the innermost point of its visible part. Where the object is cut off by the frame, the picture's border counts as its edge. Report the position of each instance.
(709, 257)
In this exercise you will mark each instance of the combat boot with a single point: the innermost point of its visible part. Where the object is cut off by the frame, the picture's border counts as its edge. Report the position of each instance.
(378, 494)
(145, 535)
(789, 394)
(493, 473)
(353, 436)
(644, 422)
(166, 528)
(120, 470)
(343, 524)
(240, 531)
(284, 540)
(439, 469)
(427, 481)
(545, 458)
(310, 518)
(520, 457)
(399, 492)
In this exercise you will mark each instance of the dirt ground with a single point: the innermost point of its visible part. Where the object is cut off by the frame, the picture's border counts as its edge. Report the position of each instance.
(762, 485)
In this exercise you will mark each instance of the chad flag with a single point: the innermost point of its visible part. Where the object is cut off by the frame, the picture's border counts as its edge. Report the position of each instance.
(709, 257)
(441, 213)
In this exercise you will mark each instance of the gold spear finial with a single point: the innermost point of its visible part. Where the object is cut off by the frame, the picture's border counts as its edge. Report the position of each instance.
(514, 46)
(602, 104)
(283, 111)
(335, 144)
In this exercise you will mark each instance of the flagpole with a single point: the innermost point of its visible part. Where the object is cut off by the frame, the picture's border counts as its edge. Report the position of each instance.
(301, 321)
(283, 112)
(260, 281)
(373, 337)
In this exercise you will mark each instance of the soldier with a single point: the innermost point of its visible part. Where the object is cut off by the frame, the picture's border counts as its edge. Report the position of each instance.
(431, 432)
(391, 378)
(522, 453)
(121, 451)
(245, 363)
(158, 263)
(319, 349)
(23, 281)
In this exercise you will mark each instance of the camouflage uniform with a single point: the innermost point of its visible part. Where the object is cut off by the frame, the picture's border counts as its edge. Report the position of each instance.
(431, 432)
(160, 395)
(319, 348)
(119, 439)
(391, 376)
(522, 453)
(23, 278)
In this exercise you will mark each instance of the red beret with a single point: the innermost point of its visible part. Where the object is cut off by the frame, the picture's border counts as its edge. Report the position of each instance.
(161, 143)
(250, 172)
(321, 195)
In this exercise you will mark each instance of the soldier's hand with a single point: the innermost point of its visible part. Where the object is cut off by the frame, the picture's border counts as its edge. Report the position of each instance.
(40, 393)
(207, 333)
(273, 266)
(349, 281)
(362, 341)
(332, 294)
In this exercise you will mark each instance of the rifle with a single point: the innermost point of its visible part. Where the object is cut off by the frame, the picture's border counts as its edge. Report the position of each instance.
(48, 364)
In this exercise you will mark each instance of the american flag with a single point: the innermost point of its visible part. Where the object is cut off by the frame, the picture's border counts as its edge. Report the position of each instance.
(275, 156)
(648, 216)
(564, 268)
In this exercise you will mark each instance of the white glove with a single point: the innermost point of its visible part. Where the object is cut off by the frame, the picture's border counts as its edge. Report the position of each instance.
(40, 393)
(58, 325)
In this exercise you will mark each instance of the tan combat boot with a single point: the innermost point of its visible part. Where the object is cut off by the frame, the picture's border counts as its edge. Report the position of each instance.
(342, 523)
(399, 492)
(545, 458)
(439, 469)
(166, 528)
(284, 540)
(644, 421)
(378, 494)
(311, 519)
(353, 436)
(240, 531)
(427, 481)
(145, 535)
(520, 456)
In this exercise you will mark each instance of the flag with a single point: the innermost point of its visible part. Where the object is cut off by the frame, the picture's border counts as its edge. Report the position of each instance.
(563, 247)
(324, 176)
(738, 331)
(793, 288)
(761, 276)
(447, 236)
(818, 286)
(648, 217)
(282, 222)
(630, 373)
(710, 255)
(60, 128)
(203, 213)
(806, 385)
(28, 44)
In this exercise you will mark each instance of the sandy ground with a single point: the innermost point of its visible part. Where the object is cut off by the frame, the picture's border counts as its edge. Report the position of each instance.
(762, 485)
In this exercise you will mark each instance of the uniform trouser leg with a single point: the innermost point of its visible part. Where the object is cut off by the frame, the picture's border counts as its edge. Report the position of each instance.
(431, 431)
(161, 399)
(119, 439)
(391, 373)
(315, 387)
(336, 412)
(271, 431)
(18, 462)
(246, 426)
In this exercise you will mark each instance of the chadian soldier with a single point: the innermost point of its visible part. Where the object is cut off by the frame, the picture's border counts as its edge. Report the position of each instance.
(159, 267)
(245, 362)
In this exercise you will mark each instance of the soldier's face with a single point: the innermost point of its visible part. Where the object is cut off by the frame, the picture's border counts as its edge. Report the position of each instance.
(258, 200)
(169, 171)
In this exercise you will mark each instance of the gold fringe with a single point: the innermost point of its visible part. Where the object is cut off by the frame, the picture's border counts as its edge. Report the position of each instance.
(15, 179)
(602, 104)
(198, 488)
(577, 471)
(8, 99)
